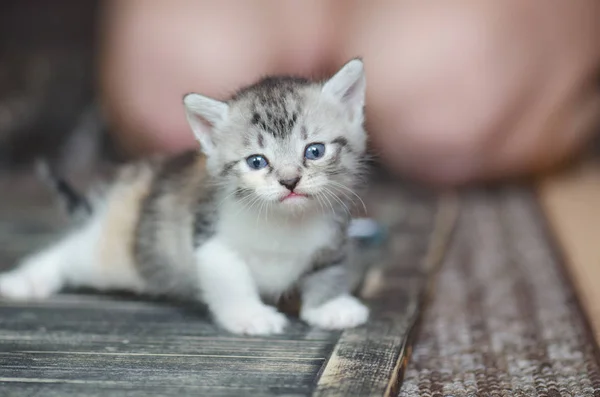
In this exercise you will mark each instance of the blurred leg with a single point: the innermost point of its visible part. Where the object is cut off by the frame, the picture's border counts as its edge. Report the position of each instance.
(155, 51)
(458, 90)
(462, 89)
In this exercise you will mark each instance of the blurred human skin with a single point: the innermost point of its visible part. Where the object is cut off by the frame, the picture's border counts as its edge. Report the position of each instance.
(458, 91)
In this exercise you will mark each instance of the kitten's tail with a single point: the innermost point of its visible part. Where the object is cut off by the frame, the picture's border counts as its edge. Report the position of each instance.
(76, 204)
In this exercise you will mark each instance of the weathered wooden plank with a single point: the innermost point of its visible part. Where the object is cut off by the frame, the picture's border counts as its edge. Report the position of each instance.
(54, 388)
(368, 361)
(173, 370)
(101, 340)
(160, 321)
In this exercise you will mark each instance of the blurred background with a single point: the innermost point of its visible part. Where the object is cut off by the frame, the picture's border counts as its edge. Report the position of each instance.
(47, 110)
(47, 69)
(459, 91)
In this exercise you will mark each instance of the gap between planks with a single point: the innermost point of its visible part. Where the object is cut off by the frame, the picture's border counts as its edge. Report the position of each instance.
(348, 372)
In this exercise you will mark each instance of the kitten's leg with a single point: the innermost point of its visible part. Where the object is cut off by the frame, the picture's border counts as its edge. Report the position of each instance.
(327, 301)
(231, 295)
(76, 261)
(43, 273)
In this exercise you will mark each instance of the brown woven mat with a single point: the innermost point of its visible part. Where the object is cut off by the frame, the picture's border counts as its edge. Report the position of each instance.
(503, 320)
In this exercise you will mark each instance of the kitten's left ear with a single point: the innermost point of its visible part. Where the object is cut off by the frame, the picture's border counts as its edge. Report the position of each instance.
(348, 86)
(203, 113)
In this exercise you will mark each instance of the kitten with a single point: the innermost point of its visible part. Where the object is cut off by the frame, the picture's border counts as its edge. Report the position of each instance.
(262, 209)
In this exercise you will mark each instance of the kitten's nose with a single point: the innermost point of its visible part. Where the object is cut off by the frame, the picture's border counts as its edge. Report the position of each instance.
(290, 183)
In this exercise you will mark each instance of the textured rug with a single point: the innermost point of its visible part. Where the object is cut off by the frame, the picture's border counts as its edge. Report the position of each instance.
(503, 319)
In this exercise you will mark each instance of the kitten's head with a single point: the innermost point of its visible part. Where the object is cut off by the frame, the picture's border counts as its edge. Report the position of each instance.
(286, 142)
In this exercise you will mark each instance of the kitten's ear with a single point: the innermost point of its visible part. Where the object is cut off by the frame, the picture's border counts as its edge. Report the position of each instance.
(203, 114)
(348, 86)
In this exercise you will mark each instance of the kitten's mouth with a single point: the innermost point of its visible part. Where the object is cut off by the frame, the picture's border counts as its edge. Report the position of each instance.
(293, 196)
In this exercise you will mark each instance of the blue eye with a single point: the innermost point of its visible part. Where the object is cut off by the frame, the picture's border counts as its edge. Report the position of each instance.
(257, 162)
(314, 151)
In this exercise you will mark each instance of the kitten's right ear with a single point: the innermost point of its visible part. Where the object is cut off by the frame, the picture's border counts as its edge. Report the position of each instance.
(348, 86)
(203, 113)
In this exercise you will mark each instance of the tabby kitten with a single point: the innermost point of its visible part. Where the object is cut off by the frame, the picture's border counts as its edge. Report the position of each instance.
(261, 210)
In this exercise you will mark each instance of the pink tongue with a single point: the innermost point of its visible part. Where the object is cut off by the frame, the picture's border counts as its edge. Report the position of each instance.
(292, 195)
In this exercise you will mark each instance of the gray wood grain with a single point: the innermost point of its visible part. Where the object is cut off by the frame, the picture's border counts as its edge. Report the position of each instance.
(108, 346)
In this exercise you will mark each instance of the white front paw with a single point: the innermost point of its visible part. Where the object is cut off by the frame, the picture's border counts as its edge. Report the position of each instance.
(258, 319)
(342, 312)
(24, 285)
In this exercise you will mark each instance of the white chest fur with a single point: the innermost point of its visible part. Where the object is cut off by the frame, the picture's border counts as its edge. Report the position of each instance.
(277, 251)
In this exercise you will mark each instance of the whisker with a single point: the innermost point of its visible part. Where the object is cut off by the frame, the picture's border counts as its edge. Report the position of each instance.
(346, 195)
(248, 204)
(258, 213)
(318, 197)
(329, 202)
(245, 199)
(262, 205)
(344, 206)
(258, 202)
(226, 197)
(351, 192)
(267, 208)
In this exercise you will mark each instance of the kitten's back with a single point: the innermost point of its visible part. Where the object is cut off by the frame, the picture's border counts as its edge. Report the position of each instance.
(174, 215)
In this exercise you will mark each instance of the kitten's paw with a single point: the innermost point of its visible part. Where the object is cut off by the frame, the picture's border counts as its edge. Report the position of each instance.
(252, 320)
(24, 285)
(342, 312)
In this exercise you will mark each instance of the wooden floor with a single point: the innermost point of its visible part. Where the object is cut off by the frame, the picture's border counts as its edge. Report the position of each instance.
(97, 345)
(84, 345)
(571, 202)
